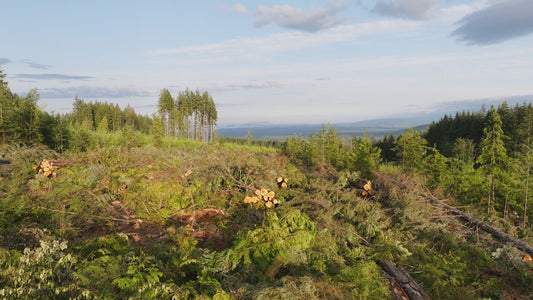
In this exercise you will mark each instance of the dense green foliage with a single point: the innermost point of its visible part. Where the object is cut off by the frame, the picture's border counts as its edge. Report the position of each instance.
(148, 211)
(22, 121)
(106, 117)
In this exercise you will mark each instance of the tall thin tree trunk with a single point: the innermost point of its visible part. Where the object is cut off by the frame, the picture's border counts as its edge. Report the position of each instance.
(527, 193)
(528, 170)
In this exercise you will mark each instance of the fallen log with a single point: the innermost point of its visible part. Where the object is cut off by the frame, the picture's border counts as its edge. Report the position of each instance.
(496, 233)
(466, 218)
(402, 285)
(5, 163)
(405, 281)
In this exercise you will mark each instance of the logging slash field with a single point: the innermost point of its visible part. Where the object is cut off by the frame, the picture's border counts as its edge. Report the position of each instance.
(228, 221)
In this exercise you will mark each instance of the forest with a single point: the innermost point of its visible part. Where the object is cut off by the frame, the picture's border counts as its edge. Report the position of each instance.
(105, 203)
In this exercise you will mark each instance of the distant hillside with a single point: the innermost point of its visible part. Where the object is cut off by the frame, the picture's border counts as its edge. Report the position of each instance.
(376, 127)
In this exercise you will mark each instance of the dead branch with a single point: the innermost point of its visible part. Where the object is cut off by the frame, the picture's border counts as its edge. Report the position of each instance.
(496, 233)
(405, 281)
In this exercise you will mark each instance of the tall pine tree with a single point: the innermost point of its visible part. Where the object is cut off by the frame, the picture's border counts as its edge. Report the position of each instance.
(493, 155)
(166, 108)
(526, 158)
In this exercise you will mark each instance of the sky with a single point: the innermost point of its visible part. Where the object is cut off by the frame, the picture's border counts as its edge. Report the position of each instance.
(270, 61)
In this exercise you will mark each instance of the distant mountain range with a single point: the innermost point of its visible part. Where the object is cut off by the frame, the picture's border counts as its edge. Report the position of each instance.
(375, 127)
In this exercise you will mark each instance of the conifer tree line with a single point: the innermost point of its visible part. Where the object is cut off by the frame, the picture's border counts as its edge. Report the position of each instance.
(22, 121)
(191, 115)
(104, 117)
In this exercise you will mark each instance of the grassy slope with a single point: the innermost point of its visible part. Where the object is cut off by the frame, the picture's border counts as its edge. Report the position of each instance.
(119, 212)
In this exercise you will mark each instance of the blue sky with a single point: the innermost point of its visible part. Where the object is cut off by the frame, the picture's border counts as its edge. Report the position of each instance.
(271, 61)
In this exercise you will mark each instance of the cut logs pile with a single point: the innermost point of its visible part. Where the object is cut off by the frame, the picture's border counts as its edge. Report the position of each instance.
(48, 167)
(282, 182)
(362, 186)
(263, 195)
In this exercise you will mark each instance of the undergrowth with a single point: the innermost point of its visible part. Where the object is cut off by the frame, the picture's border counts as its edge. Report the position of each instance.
(110, 226)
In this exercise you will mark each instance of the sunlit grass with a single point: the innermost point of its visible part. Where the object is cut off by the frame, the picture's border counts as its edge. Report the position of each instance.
(390, 168)
(253, 148)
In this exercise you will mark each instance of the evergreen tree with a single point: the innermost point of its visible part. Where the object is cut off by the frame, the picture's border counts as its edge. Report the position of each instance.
(167, 107)
(196, 115)
(493, 156)
(158, 131)
(103, 125)
(386, 144)
(436, 166)
(366, 157)
(526, 158)
(5, 96)
(410, 149)
(463, 150)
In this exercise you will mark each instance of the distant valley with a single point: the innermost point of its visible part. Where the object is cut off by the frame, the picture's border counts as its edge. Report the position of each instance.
(374, 127)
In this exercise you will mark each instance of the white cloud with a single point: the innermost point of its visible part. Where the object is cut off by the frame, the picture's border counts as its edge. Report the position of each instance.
(457, 12)
(296, 18)
(246, 49)
(238, 8)
(409, 9)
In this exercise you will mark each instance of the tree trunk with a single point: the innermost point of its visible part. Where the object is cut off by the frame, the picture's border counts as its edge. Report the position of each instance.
(405, 281)
(526, 193)
(496, 233)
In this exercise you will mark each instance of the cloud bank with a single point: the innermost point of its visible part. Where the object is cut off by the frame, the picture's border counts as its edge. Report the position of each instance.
(4, 60)
(52, 77)
(296, 18)
(407, 9)
(35, 65)
(92, 92)
(499, 22)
